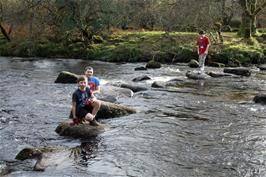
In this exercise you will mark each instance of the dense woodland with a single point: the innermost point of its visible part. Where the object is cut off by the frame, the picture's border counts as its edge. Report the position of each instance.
(75, 28)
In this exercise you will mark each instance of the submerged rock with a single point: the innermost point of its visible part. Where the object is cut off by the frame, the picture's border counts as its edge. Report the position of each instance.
(260, 98)
(142, 68)
(134, 88)
(67, 77)
(238, 71)
(141, 78)
(44, 156)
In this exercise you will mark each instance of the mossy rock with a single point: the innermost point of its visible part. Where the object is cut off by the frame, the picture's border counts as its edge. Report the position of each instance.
(97, 39)
(153, 64)
(67, 77)
(216, 64)
(193, 64)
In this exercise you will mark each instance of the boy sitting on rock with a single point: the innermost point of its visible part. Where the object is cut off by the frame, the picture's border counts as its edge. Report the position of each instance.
(84, 104)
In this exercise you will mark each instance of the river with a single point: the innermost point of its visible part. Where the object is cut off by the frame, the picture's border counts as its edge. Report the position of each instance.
(197, 129)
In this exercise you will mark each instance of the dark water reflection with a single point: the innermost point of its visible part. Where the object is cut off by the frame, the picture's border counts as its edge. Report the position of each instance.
(195, 129)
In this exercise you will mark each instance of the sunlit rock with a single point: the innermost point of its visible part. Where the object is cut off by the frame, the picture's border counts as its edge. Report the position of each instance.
(193, 64)
(157, 84)
(196, 75)
(153, 64)
(238, 71)
(66, 77)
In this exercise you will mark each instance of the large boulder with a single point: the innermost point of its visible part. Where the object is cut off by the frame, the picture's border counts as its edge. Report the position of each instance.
(111, 110)
(78, 131)
(153, 64)
(44, 156)
(260, 98)
(238, 71)
(66, 77)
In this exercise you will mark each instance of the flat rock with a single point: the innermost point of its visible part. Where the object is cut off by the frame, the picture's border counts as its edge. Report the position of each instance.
(134, 88)
(238, 71)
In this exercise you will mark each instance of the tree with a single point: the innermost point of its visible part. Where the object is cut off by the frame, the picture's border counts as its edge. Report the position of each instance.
(251, 8)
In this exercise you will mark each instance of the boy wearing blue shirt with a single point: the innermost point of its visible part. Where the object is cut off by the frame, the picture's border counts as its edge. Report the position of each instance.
(84, 104)
(93, 81)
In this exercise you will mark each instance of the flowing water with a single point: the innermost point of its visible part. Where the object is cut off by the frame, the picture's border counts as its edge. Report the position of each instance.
(194, 129)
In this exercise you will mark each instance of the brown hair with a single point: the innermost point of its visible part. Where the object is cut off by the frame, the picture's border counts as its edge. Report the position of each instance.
(82, 78)
(88, 68)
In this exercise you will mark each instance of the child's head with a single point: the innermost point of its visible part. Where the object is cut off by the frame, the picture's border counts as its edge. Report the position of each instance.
(88, 71)
(82, 81)
(201, 32)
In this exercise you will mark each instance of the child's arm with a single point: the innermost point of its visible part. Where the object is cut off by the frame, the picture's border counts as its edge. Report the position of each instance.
(74, 109)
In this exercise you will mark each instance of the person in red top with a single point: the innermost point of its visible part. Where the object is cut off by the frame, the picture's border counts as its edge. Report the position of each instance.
(203, 44)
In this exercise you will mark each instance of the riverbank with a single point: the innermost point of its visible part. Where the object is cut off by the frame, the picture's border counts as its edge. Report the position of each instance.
(144, 46)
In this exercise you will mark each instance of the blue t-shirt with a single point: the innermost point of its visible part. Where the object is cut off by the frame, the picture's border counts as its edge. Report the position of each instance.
(81, 97)
(93, 82)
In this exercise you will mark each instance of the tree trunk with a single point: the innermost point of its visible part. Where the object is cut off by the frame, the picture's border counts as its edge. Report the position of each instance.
(245, 29)
(246, 25)
(5, 33)
(253, 25)
(253, 19)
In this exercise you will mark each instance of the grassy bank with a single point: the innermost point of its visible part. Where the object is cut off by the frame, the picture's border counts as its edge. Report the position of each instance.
(144, 46)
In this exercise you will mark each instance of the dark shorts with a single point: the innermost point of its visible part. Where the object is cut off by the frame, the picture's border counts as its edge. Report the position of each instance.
(82, 112)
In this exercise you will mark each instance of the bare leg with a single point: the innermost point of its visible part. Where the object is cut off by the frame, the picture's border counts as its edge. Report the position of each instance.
(96, 106)
(201, 62)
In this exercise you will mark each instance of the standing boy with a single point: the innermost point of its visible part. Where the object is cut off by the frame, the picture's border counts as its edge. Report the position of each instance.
(84, 105)
(203, 44)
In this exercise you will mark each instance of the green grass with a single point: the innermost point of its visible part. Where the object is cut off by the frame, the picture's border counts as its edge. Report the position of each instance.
(125, 46)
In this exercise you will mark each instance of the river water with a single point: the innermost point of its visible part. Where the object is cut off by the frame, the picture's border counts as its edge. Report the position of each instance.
(194, 129)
